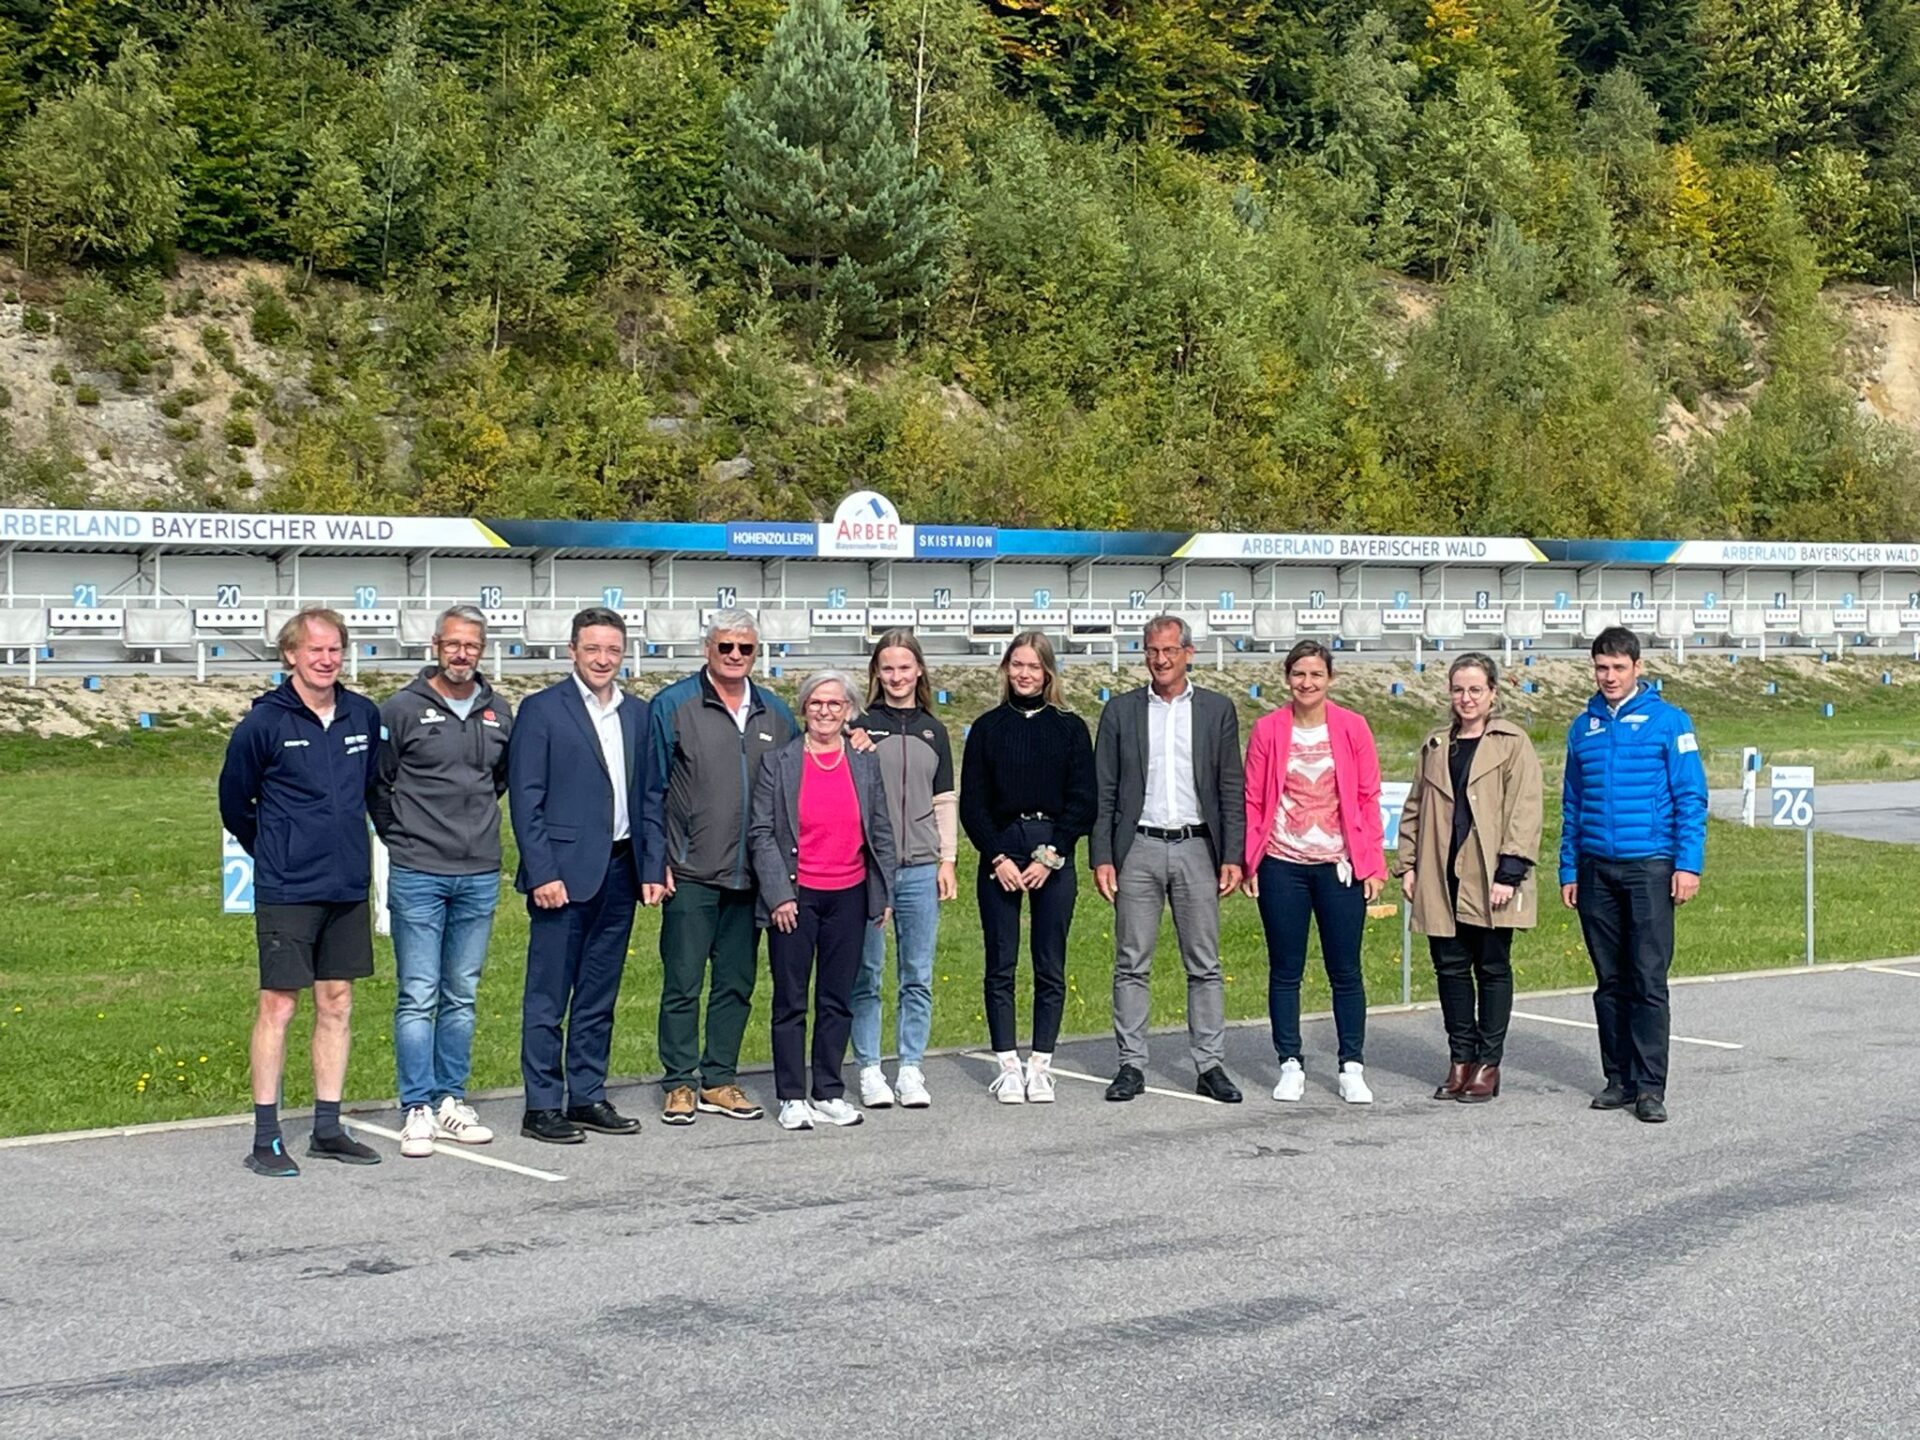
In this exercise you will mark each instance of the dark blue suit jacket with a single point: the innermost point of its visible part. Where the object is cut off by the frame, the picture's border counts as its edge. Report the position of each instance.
(562, 798)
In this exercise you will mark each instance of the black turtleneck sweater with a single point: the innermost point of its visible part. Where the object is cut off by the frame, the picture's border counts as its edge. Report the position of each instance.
(1026, 758)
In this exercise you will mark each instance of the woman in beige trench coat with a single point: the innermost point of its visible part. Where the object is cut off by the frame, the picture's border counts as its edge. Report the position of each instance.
(1468, 837)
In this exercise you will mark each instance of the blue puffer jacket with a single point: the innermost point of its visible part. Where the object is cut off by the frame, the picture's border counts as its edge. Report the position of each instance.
(1635, 788)
(294, 794)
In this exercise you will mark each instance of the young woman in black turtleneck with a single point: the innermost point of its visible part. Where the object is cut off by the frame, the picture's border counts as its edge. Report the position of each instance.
(1026, 799)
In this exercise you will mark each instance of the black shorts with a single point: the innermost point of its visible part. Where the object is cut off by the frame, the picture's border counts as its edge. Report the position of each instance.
(299, 944)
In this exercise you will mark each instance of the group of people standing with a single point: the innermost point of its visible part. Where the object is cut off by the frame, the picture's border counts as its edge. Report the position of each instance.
(713, 802)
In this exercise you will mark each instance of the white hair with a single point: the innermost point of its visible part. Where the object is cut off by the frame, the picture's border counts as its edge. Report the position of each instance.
(831, 677)
(731, 620)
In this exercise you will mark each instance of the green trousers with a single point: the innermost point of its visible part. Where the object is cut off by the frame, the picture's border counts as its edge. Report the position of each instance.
(703, 923)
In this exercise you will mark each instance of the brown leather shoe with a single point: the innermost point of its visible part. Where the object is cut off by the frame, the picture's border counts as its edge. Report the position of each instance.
(679, 1107)
(1456, 1081)
(729, 1100)
(1481, 1086)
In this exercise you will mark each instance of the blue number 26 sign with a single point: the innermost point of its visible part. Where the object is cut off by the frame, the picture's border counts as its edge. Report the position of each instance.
(236, 877)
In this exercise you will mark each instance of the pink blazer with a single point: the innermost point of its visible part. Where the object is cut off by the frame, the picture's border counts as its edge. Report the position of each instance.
(1356, 776)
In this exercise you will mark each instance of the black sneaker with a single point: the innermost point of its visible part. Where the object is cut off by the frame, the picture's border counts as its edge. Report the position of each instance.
(342, 1147)
(1614, 1097)
(272, 1161)
(1650, 1108)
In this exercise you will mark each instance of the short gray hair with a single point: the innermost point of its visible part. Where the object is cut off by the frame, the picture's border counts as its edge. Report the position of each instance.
(471, 614)
(1165, 622)
(830, 677)
(731, 618)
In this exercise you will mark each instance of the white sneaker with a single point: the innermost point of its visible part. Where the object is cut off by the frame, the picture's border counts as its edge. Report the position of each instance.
(1010, 1085)
(794, 1115)
(1040, 1079)
(416, 1136)
(874, 1091)
(913, 1088)
(456, 1121)
(1353, 1084)
(1293, 1082)
(835, 1112)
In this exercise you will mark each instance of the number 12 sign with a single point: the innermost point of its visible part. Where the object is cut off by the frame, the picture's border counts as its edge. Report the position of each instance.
(1792, 796)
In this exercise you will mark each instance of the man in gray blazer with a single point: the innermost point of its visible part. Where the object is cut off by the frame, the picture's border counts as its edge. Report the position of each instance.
(1169, 829)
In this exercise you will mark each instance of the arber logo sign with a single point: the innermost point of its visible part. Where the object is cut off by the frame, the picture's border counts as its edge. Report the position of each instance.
(866, 524)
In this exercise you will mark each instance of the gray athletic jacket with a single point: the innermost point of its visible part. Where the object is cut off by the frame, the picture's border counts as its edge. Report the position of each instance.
(436, 794)
(916, 762)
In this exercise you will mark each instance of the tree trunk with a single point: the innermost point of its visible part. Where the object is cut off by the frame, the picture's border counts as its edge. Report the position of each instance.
(920, 85)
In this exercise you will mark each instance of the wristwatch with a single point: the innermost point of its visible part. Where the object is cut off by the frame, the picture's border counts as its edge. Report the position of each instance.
(1049, 857)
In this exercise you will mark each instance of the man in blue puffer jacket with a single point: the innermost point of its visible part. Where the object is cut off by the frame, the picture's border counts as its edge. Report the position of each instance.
(1633, 840)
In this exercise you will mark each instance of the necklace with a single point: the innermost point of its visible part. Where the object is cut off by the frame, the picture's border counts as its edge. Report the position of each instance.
(814, 756)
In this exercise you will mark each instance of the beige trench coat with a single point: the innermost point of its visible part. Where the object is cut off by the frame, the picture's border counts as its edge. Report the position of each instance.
(1504, 792)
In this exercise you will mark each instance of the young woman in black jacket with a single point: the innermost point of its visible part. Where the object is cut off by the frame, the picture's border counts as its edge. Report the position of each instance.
(1026, 799)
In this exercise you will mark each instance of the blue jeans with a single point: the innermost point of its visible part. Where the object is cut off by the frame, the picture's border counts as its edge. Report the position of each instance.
(1290, 896)
(916, 925)
(441, 925)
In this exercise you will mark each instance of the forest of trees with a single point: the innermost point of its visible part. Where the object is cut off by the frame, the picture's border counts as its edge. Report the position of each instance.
(1407, 265)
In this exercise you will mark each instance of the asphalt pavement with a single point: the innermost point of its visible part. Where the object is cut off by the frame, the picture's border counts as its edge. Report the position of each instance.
(1881, 810)
(1167, 1267)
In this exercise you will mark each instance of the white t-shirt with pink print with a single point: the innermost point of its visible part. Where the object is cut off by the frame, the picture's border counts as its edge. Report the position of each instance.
(1307, 828)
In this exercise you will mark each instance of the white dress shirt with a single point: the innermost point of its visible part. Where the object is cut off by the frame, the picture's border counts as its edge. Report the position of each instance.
(613, 747)
(1171, 800)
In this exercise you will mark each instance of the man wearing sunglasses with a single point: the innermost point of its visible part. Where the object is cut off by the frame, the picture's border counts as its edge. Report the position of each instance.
(708, 732)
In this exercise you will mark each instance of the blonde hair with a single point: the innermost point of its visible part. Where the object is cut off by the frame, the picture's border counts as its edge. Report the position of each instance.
(1036, 641)
(295, 630)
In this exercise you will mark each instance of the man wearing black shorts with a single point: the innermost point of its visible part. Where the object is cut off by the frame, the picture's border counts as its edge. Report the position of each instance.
(293, 793)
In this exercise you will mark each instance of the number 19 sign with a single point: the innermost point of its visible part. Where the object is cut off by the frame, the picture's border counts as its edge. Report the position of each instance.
(1793, 810)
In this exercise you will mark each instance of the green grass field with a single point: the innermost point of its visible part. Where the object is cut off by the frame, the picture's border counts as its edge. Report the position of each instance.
(125, 995)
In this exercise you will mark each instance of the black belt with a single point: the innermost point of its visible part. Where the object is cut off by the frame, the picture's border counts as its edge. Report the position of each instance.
(1035, 815)
(623, 847)
(1179, 832)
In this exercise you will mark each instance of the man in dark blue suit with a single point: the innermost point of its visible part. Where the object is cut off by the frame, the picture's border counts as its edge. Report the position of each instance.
(591, 843)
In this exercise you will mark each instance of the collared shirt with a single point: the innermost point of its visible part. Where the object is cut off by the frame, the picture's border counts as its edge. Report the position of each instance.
(746, 702)
(1170, 800)
(613, 748)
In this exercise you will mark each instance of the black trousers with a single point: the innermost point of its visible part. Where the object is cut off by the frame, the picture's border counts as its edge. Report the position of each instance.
(1051, 912)
(575, 958)
(824, 947)
(1474, 953)
(1626, 914)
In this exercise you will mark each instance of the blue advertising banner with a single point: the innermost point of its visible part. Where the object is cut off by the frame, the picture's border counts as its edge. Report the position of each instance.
(958, 542)
(772, 537)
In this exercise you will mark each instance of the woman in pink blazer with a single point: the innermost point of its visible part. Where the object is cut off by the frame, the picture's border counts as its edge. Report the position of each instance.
(1314, 851)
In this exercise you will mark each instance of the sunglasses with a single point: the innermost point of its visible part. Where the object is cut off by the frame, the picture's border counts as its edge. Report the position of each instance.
(735, 647)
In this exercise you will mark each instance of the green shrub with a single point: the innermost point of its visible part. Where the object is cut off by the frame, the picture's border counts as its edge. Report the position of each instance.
(86, 395)
(242, 400)
(239, 432)
(36, 321)
(172, 406)
(183, 430)
(6, 398)
(60, 375)
(105, 452)
(190, 301)
(273, 319)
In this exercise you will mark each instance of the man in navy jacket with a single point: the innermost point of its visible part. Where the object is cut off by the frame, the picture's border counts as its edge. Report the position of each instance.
(1633, 841)
(579, 782)
(293, 792)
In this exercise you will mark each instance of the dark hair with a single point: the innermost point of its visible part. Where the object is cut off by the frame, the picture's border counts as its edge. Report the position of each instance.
(898, 640)
(594, 615)
(1307, 650)
(1616, 640)
(1474, 660)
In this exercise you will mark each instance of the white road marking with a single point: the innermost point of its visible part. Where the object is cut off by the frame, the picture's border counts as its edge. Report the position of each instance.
(1096, 1080)
(1589, 1025)
(1889, 970)
(459, 1152)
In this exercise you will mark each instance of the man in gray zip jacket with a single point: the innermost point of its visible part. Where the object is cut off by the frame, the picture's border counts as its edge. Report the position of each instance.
(436, 804)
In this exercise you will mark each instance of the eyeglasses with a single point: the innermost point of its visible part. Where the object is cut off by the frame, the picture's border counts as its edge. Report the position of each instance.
(460, 647)
(829, 705)
(735, 647)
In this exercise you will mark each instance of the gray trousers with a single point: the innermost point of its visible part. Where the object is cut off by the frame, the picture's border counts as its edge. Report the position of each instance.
(1182, 873)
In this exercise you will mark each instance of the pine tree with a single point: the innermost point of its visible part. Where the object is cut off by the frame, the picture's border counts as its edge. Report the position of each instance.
(330, 211)
(823, 199)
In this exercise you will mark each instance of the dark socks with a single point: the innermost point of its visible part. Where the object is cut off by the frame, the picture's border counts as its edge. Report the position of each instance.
(266, 1126)
(326, 1119)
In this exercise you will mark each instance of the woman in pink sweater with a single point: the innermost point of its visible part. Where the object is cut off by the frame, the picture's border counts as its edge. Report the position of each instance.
(1314, 851)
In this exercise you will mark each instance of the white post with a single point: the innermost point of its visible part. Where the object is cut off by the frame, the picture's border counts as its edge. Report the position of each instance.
(200, 661)
(33, 666)
(1113, 652)
(1809, 893)
(496, 656)
(1219, 652)
(353, 663)
(1749, 784)
(1406, 951)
